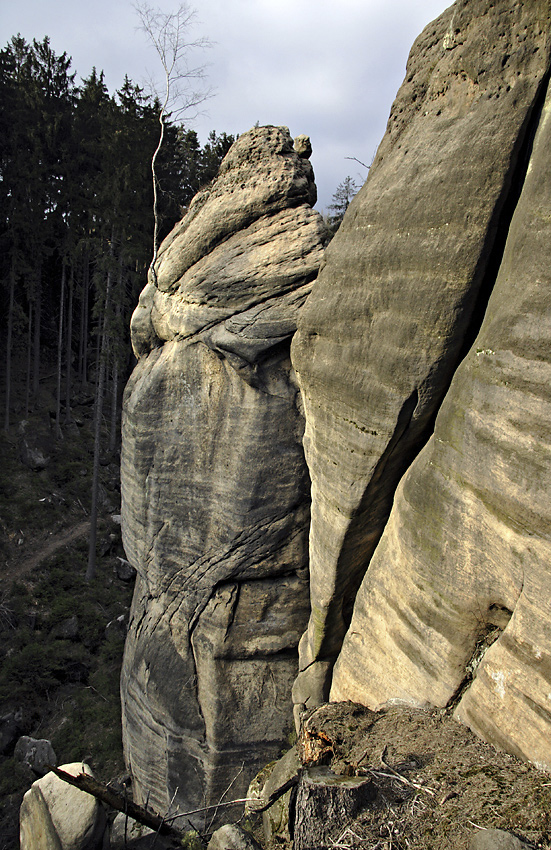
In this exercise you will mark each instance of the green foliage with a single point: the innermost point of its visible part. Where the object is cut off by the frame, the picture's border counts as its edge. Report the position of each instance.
(37, 668)
(192, 841)
(76, 197)
(66, 690)
(13, 776)
(341, 199)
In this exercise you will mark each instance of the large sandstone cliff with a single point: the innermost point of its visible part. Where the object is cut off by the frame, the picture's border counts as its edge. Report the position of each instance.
(455, 606)
(214, 484)
(463, 562)
(423, 362)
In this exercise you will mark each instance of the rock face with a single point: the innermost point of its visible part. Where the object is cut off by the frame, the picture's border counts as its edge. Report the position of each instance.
(423, 361)
(35, 753)
(215, 489)
(460, 580)
(395, 308)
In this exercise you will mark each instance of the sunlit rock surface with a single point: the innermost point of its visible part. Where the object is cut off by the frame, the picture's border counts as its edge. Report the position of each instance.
(397, 305)
(456, 604)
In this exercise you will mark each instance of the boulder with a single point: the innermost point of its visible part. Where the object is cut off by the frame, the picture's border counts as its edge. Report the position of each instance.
(401, 294)
(57, 816)
(116, 629)
(126, 833)
(125, 571)
(38, 754)
(454, 609)
(35, 445)
(67, 629)
(496, 839)
(215, 490)
(232, 837)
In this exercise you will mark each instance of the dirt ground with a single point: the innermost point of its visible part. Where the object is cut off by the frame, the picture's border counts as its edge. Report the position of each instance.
(437, 783)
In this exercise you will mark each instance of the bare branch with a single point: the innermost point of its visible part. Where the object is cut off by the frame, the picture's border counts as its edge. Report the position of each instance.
(168, 32)
(355, 159)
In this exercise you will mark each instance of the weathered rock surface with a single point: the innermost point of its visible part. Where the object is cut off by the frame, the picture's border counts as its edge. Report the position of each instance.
(232, 837)
(57, 816)
(215, 490)
(275, 819)
(35, 753)
(396, 306)
(459, 588)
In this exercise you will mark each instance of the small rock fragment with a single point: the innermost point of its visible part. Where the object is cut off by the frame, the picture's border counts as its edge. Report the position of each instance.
(496, 839)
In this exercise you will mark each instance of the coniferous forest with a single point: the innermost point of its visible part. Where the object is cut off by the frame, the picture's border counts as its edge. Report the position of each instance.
(76, 241)
(76, 219)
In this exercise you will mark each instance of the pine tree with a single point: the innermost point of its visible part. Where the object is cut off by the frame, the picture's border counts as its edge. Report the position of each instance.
(341, 199)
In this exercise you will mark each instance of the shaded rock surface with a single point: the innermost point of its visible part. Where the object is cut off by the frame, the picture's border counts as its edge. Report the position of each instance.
(455, 605)
(215, 490)
(396, 306)
(35, 753)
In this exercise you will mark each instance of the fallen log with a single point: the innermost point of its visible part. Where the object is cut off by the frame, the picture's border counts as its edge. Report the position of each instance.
(119, 802)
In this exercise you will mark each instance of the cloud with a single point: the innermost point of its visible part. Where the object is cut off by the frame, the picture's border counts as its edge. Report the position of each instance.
(320, 68)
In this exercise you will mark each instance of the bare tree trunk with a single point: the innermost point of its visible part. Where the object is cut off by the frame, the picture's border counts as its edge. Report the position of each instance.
(69, 349)
(99, 340)
(152, 270)
(36, 337)
(58, 431)
(113, 433)
(100, 386)
(119, 802)
(167, 32)
(29, 350)
(83, 340)
(9, 344)
(114, 430)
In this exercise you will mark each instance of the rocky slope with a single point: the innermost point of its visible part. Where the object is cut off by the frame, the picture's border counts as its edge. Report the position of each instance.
(215, 490)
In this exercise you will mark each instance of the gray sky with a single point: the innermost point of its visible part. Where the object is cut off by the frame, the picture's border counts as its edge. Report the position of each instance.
(328, 68)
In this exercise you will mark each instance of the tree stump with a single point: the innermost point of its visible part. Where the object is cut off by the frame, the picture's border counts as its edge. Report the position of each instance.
(325, 803)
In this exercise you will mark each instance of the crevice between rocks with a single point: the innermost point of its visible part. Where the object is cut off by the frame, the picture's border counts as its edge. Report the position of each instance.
(498, 230)
(404, 447)
(489, 633)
